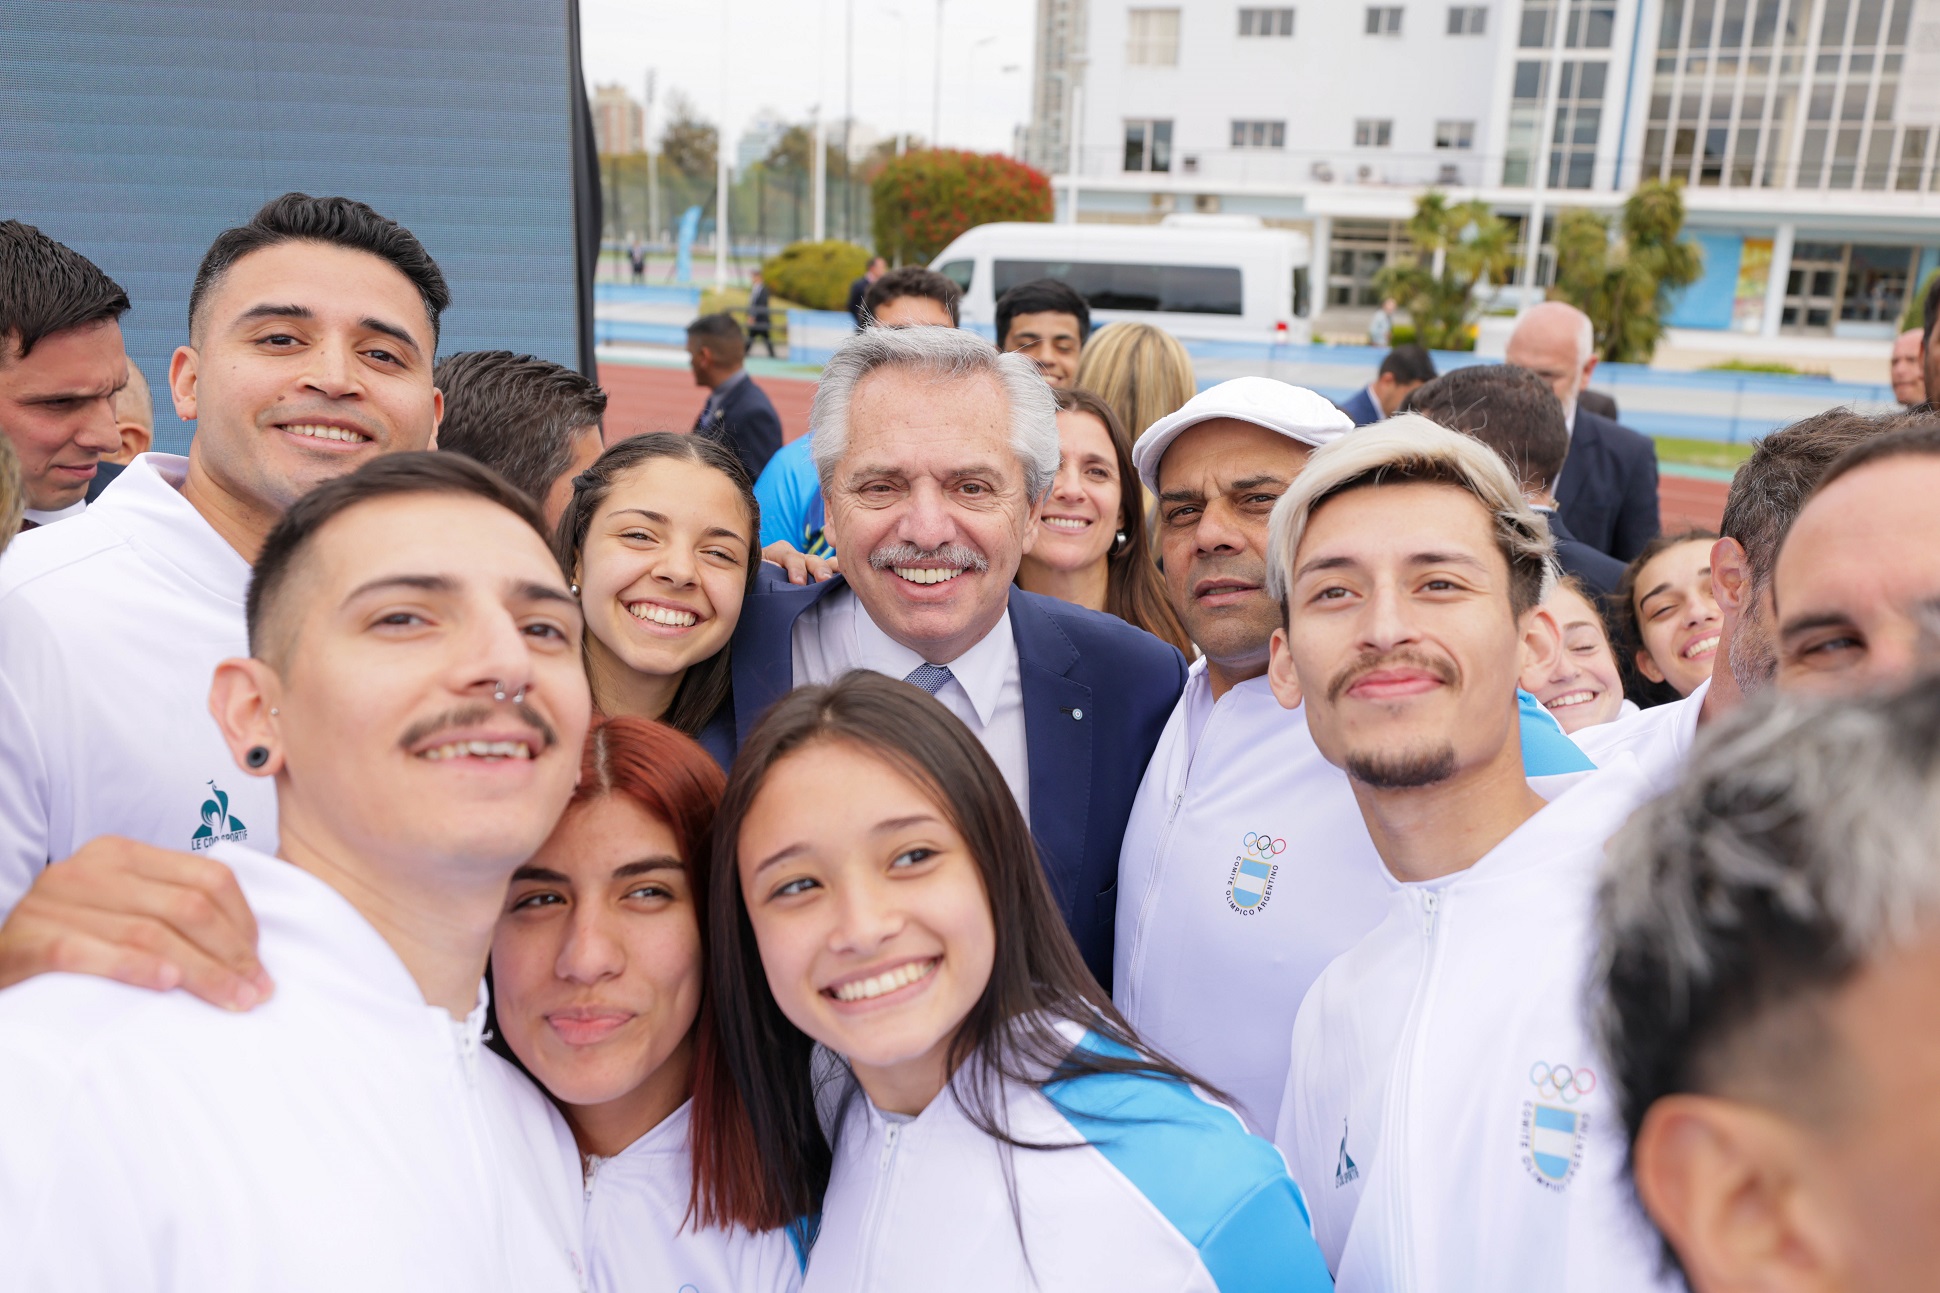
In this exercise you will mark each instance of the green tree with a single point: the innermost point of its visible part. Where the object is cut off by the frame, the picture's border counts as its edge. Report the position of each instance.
(1622, 277)
(688, 144)
(925, 199)
(1915, 314)
(1455, 250)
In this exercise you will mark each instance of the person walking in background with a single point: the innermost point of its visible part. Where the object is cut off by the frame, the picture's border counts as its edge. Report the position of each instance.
(61, 366)
(875, 269)
(1402, 370)
(738, 413)
(1907, 372)
(1143, 373)
(636, 256)
(1607, 494)
(758, 315)
(1047, 322)
(1380, 329)
(1091, 547)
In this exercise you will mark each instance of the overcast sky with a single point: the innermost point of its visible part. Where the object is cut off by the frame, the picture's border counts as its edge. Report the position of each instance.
(788, 55)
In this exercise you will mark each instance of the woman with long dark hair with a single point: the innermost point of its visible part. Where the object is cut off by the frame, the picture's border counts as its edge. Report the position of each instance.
(886, 952)
(661, 540)
(1092, 547)
(599, 993)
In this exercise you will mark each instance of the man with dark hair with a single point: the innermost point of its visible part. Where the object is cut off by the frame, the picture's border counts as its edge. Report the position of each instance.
(1608, 489)
(534, 422)
(1856, 587)
(859, 289)
(1766, 495)
(1047, 322)
(61, 366)
(413, 698)
(738, 413)
(1514, 412)
(1403, 369)
(311, 334)
(1768, 973)
(913, 296)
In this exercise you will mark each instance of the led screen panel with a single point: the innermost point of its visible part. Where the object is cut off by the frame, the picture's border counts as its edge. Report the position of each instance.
(135, 132)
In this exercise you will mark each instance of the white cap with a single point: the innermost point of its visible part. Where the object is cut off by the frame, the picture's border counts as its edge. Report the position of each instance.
(1293, 411)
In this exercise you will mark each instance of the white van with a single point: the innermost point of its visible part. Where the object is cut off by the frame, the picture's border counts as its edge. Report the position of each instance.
(1207, 277)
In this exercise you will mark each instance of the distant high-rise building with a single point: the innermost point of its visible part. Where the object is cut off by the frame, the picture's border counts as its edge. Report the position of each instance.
(619, 123)
(1057, 70)
(759, 139)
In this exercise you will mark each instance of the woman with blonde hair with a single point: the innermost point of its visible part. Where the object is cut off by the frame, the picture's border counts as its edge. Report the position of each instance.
(1143, 372)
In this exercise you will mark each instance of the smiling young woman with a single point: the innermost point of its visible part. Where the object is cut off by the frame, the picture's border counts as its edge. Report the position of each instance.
(1668, 614)
(888, 962)
(598, 987)
(1092, 548)
(661, 541)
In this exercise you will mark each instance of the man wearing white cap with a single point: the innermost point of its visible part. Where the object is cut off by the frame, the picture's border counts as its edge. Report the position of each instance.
(1246, 866)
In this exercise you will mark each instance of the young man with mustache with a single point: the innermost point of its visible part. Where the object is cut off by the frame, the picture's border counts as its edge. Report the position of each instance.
(1246, 867)
(414, 695)
(1443, 1113)
(311, 335)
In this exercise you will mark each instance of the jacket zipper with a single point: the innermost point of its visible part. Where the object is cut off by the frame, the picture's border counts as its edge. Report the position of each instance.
(1397, 1125)
(878, 1203)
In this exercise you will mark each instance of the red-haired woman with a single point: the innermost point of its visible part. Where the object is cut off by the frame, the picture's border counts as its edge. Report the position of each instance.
(598, 976)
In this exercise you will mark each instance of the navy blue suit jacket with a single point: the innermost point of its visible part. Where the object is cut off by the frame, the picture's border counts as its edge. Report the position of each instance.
(1608, 490)
(1599, 571)
(1097, 693)
(1362, 409)
(103, 477)
(746, 422)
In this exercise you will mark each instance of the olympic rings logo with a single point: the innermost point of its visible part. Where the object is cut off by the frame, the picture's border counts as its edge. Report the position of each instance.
(1265, 846)
(1561, 1082)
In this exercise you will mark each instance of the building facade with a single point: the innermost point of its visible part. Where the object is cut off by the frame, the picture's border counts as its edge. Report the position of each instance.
(619, 123)
(1805, 132)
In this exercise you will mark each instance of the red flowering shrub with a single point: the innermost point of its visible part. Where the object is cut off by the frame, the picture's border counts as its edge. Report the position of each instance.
(924, 199)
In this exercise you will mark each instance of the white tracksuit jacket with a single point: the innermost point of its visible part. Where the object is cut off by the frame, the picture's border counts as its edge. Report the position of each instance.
(1246, 868)
(1163, 1190)
(638, 1239)
(1445, 1114)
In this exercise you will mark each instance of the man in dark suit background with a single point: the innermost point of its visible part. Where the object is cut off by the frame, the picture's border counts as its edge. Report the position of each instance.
(935, 453)
(1403, 369)
(875, 269)
(1607, 495)
(738, 413)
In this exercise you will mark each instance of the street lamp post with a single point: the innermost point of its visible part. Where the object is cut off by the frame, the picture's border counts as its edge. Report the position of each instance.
(936, 84)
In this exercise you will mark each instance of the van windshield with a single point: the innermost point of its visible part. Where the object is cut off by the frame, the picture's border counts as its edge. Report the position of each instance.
(1110, 285)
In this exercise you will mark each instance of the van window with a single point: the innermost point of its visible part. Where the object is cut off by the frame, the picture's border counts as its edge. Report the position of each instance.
(960, 272)
(1162, 289)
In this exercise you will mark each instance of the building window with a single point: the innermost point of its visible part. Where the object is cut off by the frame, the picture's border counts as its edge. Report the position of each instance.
(1591, 23)
(1384, 20)
(1537, 19)
(1370, 133)
(1266, 22)
(1153, 37)
(1259, 134)
(1467, 19)
(1361, 249)
(1455, 134)
(1148, 145)
(1579, 120)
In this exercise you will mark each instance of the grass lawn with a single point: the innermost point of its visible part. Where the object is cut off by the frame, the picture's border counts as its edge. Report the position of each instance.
(1702, 453)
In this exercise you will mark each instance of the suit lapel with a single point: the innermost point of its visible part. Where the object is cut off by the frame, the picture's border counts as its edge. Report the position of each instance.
(1058, 722)
(763, 660)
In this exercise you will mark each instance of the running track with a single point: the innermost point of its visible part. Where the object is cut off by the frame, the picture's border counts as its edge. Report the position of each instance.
(665, 399)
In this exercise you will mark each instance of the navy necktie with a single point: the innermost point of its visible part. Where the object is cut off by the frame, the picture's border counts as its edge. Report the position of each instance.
(930, 677)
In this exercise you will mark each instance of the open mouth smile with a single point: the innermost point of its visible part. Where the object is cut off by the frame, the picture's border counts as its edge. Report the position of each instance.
(869, 987)
(1706, 645)
(927, 574)
(1569, 698)
(324, 431)
(668, 616)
